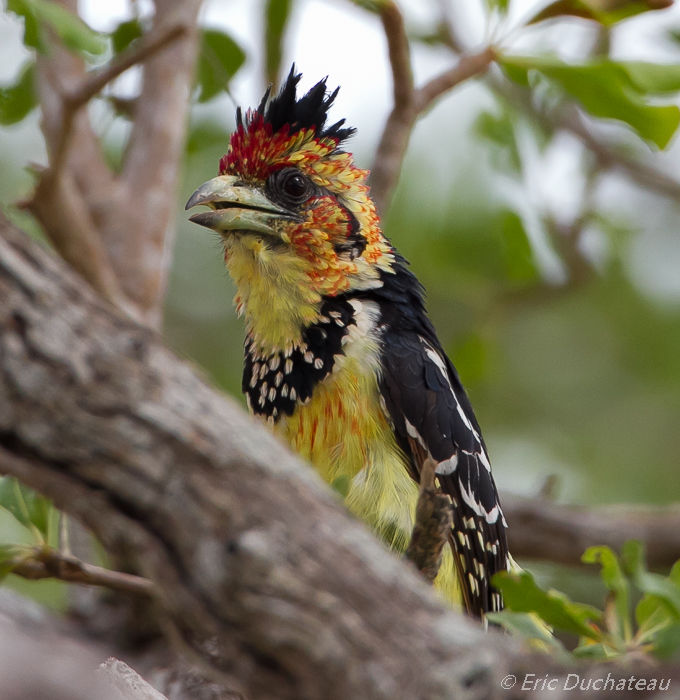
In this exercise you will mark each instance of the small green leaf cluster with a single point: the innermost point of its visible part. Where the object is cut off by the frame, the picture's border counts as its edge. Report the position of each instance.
(42, 17)
(606, 13)
(609, 89)
(654, 626)
(34, 512)
(219, 59)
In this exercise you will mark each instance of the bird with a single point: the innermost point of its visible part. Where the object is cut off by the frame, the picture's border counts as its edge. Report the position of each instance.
(341, 358)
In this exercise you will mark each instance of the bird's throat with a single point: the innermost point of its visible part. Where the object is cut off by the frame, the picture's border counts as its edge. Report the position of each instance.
(273, 290)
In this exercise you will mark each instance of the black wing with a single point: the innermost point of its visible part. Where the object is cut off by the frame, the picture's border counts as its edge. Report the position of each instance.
(432, 417)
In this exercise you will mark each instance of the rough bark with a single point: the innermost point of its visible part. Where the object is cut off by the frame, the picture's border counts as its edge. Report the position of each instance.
(41, 657)
(260, 570)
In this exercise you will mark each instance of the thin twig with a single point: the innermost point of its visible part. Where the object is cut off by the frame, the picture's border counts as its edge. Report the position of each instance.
(96, 81)
(50, 563)
(409, 103)
(469, 66)
(399, 55)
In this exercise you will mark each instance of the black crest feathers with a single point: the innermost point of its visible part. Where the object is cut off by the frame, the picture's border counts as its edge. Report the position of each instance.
(308, 112)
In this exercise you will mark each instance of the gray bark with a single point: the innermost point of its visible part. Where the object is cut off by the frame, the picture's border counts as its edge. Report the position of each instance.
(261, 572)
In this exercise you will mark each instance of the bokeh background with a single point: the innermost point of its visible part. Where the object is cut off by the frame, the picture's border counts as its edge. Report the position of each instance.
(574, 378)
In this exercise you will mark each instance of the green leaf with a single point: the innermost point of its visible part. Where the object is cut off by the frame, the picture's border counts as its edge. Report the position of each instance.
(633, 558)
(616, 581)
(667, 641)
(125, 33)
(605, 89)
(595, 651)
(29, 508)
(11, 499)
(519, 257)
(10, 556)
(530, 627)
(276, 15)
(650, 612)
(562, 8)
(70, 29)
(653, 78)
(218, 61)
(18, 100)
(605, 13)
(500, 130)
(657, 625)
(521, 594)
(375, 6)
(500, 5)
(674, 575)
(32, 38)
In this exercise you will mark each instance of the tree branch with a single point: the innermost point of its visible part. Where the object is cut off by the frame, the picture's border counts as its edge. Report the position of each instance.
(543, 530)
(116, 230)
(42, 656)
(50, 563)
(609, 156)
(99, 416)
(410, 103)
(469, 66)
(140, 234)
(399, 54)
(126, 681)
(96, 81)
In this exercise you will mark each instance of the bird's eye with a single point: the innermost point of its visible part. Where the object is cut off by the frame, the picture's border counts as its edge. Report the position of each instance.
(289, 186)
(295, 186)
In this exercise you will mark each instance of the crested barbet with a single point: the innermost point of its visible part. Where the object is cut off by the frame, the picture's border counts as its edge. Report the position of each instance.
(340, 356)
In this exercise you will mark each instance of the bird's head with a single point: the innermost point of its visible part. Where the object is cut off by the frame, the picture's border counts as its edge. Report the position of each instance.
(294, 213)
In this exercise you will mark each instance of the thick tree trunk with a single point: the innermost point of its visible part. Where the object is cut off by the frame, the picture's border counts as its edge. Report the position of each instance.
(260, 568)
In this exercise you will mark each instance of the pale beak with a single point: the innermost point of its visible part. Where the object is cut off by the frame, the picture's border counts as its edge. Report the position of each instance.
(236, 207)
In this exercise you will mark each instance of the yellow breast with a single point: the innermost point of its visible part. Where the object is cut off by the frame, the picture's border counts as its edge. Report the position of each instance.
(344, 433)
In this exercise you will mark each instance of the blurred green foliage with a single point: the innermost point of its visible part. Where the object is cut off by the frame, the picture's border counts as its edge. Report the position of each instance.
(532, 613)
(28, 524)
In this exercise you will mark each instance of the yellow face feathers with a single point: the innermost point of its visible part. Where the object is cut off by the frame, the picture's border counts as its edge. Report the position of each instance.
(295, 215)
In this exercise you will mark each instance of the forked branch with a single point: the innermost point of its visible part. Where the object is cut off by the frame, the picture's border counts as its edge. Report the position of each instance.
(410, 103)
(115, 228)
(95, 81)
